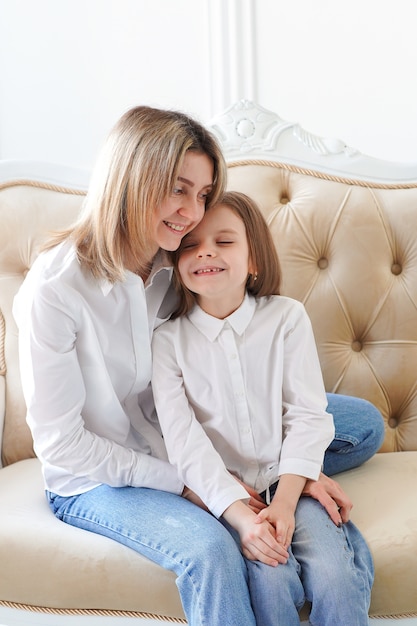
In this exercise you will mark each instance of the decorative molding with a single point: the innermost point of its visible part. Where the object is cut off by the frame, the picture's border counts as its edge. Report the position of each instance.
(321, 145)
(249, 132)
(246, 127)
(232, 52)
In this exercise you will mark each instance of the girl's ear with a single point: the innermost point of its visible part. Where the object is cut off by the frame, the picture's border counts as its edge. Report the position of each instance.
(252, 273)
(252, 270)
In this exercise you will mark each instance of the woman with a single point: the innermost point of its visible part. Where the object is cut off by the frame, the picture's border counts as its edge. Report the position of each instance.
(86, 313)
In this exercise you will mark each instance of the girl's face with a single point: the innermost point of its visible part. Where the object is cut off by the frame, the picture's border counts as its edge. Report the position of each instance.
(214, 261)
(184, 208)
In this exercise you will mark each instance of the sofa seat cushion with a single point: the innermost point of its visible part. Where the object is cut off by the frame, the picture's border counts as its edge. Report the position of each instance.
(56, 565)
(59, 566)
(384, 494)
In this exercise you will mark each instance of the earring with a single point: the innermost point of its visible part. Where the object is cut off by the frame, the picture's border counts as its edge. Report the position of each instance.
(255, 276)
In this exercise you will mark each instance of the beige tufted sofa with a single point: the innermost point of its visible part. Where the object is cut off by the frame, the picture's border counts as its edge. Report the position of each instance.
(346, 230)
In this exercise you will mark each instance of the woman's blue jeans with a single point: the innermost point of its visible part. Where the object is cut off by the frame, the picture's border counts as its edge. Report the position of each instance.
(359, 433)
(213, 578)
(211, 574)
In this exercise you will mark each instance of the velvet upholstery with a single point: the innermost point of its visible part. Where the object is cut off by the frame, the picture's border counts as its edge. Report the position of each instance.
(348, 250)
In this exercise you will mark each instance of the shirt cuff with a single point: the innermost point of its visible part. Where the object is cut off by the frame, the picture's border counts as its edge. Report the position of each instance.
(226, 498)
(300, 467)
(155, 473)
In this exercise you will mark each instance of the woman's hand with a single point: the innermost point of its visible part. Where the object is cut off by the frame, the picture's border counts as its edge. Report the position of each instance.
(193, 497)
(256, 504)
(259, 543)
(257, 538)
(330, 495)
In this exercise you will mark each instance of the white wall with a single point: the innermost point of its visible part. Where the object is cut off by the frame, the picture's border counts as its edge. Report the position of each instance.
(70, 68)
(344, 69)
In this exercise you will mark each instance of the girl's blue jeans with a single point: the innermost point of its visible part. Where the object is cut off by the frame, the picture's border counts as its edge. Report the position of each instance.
(329, 566)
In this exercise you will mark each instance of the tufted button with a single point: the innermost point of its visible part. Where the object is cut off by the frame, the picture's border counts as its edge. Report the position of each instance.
(396, 269)
(323, 263)
(356, 346)
(393, 422)
(284, 200)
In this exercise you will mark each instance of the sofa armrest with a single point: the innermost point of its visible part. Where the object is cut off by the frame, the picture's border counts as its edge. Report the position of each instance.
(2, 379)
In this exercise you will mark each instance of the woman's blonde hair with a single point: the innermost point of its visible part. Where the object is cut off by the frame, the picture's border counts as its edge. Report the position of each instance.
(266, 277)
(135, 172)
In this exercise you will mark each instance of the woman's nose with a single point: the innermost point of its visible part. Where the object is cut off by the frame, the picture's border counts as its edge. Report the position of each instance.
(193, 209)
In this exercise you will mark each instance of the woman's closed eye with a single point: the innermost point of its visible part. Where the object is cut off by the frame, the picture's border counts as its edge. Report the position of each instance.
(187, 245)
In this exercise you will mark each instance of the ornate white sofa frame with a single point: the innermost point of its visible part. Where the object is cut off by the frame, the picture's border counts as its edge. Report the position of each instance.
(346, 231)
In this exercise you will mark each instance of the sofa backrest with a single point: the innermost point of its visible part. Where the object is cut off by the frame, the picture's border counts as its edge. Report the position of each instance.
(29, 211)
(347, 245)
(345, 227)
(349, 253)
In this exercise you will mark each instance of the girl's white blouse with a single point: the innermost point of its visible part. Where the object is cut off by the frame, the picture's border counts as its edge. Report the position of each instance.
(85, 359)
(243, 395)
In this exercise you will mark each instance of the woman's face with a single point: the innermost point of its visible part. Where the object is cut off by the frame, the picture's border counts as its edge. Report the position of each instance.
(183, 209)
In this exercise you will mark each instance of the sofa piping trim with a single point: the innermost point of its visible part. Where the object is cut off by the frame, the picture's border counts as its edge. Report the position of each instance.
(285, 166)
(137, 614)
(317, 174)
(400, 616)
(90, 612)
(2, 339)
(41, 185)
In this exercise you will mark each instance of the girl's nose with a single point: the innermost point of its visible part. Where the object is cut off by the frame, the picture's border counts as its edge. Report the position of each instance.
(205, 249)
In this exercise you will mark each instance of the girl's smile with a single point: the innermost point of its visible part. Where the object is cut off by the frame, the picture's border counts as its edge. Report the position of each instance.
(209, 270)
(214, 261)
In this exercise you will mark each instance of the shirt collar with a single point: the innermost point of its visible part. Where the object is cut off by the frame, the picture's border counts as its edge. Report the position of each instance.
(211, 326)
(160, 263)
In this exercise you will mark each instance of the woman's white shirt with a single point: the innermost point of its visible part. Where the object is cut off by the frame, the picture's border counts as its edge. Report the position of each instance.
(243, 395)
(85, 360)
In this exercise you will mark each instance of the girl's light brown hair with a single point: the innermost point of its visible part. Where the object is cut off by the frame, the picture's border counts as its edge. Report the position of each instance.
(266, 279)
(135, 172)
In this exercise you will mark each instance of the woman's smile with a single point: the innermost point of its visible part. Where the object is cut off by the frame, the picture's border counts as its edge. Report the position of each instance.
(184, 208)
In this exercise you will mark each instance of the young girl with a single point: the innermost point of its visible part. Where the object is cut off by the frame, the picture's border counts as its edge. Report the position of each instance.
(239, 393)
